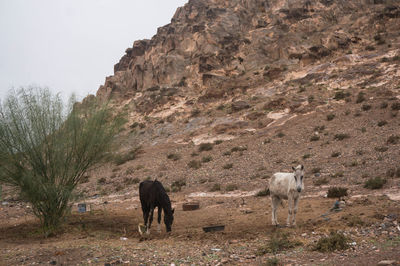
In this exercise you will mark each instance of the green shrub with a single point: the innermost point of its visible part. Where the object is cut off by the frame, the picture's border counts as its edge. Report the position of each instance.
(360, 97)
(205, 147)
(381, 148)
(215, 187)
(375, 183)
(316, 170)
(102, 180)
(338, 174)
(396, 106)
(335, 241)
(174, 156)
(206, 159)
(314, 138)
(279, 241)
(177, 185)
(382, 123)
(228, 166)
(341, 136)
(366, 107)
(393, 139)
(321, 181)
(337, 192)
(306, 156)
(280, 135)
(384, 105)
(231, 187)
(239, 148)
(340, 95)
(194, 164)
(129, 156)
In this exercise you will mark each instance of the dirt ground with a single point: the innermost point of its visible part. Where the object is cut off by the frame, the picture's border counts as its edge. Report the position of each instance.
(107, 234)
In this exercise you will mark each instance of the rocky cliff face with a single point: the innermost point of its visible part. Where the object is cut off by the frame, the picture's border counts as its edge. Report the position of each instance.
(217, 51)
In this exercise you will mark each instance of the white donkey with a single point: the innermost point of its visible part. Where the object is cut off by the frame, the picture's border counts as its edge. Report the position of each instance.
(287, 186)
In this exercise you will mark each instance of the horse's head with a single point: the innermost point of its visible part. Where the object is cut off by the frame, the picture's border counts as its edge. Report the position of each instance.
(169, 219)
(299, 176)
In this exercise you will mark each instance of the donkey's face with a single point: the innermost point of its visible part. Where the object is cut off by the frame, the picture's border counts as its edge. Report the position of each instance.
(299, 176)
(168, 220)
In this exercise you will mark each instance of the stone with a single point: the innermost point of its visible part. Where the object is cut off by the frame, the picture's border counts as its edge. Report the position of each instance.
(387, 262)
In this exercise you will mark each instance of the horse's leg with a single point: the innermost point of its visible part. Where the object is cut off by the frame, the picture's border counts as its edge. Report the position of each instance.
(296, 203)
(150, 219)
(275, 202)
(290, 209)
(159, 219)
(145, 216)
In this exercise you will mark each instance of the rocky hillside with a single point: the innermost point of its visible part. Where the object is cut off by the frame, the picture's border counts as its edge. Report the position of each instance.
(217, 58)
(276, 82)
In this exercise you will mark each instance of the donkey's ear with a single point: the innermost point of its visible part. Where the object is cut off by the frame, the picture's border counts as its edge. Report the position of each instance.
(294, 169)
(173, 210)
(302, 167)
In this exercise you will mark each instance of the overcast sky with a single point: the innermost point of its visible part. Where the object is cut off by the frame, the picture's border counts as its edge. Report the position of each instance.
(72, 45)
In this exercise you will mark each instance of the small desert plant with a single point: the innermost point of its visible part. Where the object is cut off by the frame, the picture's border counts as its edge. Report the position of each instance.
(215, 187)
(272, 261)
(321, 181)
(239, 148)
(231, 187)
(279, 241)
(366, 107)
(369, 48)
(310, 98)
(316, 170)
(129, 156)
(382, 123)
(335, 241)
(206, 159)
(280, 134)
(177, 185)
(306, 156)
(227, 153)
(205, 147)
(131, 181)
(194, 164)
(353, 220)
(194, 154)
(314, 138)
(338, 174)
(384, 105)
(341, 136)
(360, 97)
(195, 112)
(381, 148)
(337, 192)
(174, 156)
(228, 166)
(336, 154)
(393, 139)
(395, 106)
(375, 183)
(102, 181)
(218, 141)
(340, 95)
(330, 117)
(263, 193)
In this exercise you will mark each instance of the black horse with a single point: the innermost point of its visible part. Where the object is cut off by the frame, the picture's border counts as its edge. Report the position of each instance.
(152, 194)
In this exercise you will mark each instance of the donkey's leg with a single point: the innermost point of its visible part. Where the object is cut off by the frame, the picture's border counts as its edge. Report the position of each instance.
(159, 219)
(296, 203)
(290, 209)
(275, 203)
